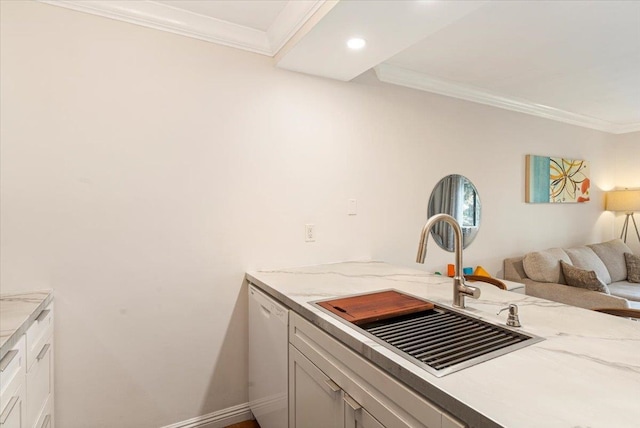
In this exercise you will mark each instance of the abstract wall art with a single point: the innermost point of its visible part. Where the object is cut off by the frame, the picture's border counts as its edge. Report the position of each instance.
(556, 180)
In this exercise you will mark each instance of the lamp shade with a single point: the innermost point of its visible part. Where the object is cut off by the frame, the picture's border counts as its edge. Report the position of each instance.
(623, 200)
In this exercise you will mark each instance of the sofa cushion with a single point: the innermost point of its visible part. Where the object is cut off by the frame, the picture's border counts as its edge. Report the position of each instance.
(626, 290)
(583, 278)
(544, 266)
(633, 267)
(585, 258)
(612, 255)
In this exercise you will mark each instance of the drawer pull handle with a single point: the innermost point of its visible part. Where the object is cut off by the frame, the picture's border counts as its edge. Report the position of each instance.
(7, 411)
(46, 422)
(42, 315)
(43, 351)
(332, 385)
(7, 359)
(352, 403)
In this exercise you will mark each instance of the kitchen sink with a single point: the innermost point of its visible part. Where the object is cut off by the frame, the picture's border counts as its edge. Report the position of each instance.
(441, 340)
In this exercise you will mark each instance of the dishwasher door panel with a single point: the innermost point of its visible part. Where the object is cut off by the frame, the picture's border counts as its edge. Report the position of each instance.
(268, 343)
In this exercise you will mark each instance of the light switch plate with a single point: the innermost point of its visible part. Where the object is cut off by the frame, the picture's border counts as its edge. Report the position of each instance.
(353, 207)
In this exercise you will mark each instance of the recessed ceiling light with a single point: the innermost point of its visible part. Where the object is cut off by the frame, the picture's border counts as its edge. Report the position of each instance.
(356, 43)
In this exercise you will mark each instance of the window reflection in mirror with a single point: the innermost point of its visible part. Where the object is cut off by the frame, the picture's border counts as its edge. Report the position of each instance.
(470, 205)
(457, 196)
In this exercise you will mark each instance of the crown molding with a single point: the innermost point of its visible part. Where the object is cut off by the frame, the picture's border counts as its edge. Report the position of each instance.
(178, 21)
(625, 129)
(413, 79)
(290, 20)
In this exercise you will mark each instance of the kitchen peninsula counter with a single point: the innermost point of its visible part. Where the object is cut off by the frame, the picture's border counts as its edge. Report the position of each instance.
(17, 312)
(585, 373)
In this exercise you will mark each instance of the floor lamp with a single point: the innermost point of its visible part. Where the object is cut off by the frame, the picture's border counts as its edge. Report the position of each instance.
(626, 201)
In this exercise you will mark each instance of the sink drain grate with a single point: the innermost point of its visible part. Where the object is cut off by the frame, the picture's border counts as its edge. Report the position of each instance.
(442, 339)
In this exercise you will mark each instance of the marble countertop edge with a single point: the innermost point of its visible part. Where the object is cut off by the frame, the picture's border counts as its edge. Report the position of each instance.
(17, 312)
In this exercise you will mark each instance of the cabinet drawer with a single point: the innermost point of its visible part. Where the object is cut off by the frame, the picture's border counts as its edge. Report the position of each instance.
(12, 412)
(12, 409)
(45, 420)
(38, 334)
(12, 366)
(39, 385)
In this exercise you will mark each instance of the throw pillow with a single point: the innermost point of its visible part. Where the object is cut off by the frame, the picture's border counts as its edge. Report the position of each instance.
(585, 258)
(633, 267)
(544, 266)
(583, 278)
(612, 255)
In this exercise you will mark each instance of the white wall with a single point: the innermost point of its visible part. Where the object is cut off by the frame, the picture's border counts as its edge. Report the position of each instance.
(425, 137)
(143, 173)
(627, 175)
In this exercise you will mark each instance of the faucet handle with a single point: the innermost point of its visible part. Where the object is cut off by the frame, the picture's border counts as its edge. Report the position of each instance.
(513, 319)
(471, 291)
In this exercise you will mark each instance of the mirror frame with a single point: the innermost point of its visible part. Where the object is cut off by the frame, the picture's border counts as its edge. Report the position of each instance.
(457, 196)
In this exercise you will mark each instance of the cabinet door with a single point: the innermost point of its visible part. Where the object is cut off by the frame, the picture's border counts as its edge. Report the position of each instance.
(355, 416)
(315, 401)
(39, 384)
(12, 414)
(385, 401)
(12, 389)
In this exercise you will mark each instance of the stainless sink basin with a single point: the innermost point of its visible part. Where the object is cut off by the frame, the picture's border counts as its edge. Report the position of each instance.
(443, 340)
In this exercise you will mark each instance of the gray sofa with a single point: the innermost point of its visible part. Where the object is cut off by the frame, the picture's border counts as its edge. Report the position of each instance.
(542, 274)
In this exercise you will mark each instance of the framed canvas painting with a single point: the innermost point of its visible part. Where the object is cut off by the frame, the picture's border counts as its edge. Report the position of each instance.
(556, 180)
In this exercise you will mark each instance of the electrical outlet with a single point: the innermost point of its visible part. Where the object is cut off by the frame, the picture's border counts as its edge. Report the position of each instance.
(309, 232)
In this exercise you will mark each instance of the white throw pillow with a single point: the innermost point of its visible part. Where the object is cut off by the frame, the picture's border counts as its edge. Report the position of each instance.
(612, 255)
(544, 266)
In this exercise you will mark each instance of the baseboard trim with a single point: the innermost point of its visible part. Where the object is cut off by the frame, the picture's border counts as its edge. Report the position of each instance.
(219, 419)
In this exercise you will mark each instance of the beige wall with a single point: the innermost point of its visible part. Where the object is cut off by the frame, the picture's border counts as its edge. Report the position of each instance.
(144, 172)
(627, 175)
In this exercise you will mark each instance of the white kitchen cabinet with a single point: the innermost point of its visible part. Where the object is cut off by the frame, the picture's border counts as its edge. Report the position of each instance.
(26, 379)
(323, 370)
(316, 402)
(12, 415)
(12, 387)
(39, 382)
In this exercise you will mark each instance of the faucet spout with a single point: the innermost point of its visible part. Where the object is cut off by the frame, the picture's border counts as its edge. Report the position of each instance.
(460, 289)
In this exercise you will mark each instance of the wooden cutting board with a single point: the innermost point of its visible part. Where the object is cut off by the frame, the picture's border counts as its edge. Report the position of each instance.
(375, 306)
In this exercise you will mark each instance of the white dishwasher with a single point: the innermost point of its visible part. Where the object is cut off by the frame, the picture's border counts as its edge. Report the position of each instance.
(268, 345)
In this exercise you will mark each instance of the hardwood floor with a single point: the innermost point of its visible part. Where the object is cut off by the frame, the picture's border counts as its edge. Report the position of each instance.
(246, 424)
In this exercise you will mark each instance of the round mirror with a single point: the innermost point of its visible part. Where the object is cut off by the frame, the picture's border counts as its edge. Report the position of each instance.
(457, 196)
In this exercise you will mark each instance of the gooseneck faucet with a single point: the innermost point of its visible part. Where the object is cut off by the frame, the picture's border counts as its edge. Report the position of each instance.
(460, 289)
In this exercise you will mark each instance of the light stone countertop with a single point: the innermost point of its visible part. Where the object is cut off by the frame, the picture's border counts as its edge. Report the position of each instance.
(586, 373)
(17, 312)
